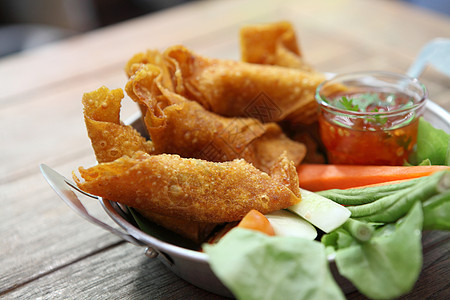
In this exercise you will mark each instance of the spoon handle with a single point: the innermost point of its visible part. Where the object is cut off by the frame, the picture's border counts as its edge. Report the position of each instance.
(436, 53)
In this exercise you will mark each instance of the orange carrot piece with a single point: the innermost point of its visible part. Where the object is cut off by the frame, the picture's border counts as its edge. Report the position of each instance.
(255, 220)
(318, 177)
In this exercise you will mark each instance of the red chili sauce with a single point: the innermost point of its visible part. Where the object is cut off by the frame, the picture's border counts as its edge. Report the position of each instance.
(380, 139)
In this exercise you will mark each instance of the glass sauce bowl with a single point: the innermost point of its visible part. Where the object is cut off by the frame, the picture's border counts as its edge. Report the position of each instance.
(370, 118)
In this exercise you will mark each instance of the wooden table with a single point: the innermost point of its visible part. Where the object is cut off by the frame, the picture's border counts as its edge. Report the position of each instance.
(49, 252)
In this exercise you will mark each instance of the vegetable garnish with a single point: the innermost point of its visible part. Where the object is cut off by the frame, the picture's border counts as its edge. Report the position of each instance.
(256, 266)
(436, 211)
(386, 266)
(432, 144)
(320, 211)
(254, 220)
(378, 266)
(359, 196)
(372, 102)
(348, 104)
(390, 208)
(381, 254)
(318, 177)
(286, 223)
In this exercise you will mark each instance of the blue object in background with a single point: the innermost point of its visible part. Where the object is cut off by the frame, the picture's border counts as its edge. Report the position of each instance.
(441, 6)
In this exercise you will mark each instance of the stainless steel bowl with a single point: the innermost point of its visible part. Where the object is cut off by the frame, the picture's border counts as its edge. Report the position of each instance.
(175, 252)
(192, 265)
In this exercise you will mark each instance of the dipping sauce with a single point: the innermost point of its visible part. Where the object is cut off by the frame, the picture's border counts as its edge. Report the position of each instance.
(370, 118)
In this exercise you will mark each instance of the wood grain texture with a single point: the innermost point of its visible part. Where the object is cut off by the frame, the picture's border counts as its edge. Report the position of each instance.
(119, 272)
(48, 251)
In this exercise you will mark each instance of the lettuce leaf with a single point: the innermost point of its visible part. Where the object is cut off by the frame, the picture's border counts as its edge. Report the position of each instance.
(389, 264)
(436, 212)
(255, 266)
(432, 144)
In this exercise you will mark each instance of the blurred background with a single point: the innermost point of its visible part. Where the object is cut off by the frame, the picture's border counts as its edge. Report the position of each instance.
(26, 24)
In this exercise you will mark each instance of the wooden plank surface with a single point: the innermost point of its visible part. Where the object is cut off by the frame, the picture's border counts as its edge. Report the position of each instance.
(50, 252)
(132, 276)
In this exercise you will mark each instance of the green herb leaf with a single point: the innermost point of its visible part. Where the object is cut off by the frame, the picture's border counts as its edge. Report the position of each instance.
(432, 144)
(255, 266)
(436, 212)
(377, 119)
(425, 162)
(389, 264)
(348, 104)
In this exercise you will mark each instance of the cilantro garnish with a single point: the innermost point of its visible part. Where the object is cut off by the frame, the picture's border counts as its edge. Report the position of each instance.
(381, 102)
(377, 119)
(348, 104)
(364, 103)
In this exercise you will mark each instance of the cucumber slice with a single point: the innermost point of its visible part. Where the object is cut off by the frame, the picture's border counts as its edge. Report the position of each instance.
(322, 212)
(285, 223)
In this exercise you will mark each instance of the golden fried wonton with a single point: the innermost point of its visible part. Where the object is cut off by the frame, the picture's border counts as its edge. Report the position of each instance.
(272, 44)
(179, 126)
(191, 189)
(235, 88)
(284, 172)
(218, 114)
(110, 139)
(153, 57)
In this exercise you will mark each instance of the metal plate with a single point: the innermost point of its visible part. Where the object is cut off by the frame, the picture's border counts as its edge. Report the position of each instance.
(193, 265)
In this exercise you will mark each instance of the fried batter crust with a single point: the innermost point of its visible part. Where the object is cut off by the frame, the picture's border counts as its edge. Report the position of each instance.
(109, 138)
(272, 44)
(234, 88)
(190, 189)
(180, 126)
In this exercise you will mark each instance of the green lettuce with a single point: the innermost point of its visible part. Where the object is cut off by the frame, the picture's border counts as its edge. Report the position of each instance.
(432, 144)
(436, 212)
(255, 266)
(388, 265)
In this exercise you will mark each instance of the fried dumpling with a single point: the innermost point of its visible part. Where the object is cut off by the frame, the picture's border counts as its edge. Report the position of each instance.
(179, 126)
(109, 138)
(234, 88)
(153, 57)
(191, 189)
(272, 44)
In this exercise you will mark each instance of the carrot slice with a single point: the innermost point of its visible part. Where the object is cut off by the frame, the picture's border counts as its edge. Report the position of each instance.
(255, 220)
(318, 177)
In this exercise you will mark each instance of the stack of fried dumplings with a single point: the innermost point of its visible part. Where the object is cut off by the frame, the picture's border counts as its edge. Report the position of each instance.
(217, 146)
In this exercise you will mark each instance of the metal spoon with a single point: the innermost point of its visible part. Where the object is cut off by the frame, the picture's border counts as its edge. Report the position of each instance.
(436, 53)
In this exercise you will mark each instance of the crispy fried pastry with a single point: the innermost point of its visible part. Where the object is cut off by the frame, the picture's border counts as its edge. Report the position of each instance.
(194, 231)
(284, 172)
(310, 137)
(110, 139)
(153, 57)
(190, 189)
(212, 112)
(235, 88)
(272, 44)
(180, 126)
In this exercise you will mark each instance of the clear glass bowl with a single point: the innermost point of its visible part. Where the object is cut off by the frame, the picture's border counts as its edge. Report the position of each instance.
(370, 118)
